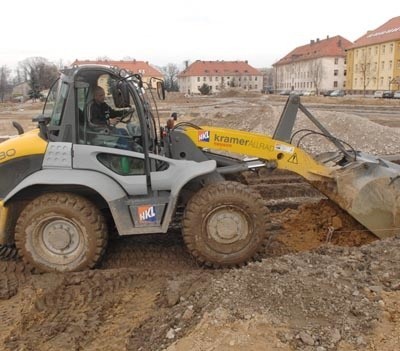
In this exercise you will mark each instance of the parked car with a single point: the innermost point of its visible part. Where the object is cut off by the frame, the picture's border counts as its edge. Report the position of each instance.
(338, 93)
(285, 92)
(388, 94)
(378, 94)
(309, 93)
(396, 94)
(327, 92)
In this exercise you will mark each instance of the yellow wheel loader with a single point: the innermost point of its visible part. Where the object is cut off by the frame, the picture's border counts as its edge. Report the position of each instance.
(65, 183)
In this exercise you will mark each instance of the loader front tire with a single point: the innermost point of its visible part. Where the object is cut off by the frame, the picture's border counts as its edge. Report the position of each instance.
(61, 232)
(226, 224)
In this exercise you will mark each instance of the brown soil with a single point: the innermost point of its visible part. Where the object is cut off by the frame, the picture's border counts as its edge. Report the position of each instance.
(323, 282)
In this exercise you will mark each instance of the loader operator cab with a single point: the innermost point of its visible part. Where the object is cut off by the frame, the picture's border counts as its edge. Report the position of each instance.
(67, 115)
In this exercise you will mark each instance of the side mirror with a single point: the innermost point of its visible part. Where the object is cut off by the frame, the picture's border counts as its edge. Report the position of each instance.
(42, 122)
(160, 90)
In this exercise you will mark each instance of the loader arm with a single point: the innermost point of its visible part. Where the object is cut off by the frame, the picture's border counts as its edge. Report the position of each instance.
(276, 153)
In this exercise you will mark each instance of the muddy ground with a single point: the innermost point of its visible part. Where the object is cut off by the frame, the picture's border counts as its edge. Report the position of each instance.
(323, 282)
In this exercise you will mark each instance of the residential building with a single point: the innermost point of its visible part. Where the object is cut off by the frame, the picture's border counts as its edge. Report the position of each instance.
(373, 61)
(219, 75)
(317, 66)
(141, 67)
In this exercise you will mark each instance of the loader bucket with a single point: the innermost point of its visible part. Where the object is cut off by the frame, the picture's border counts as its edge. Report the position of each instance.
(369, 190)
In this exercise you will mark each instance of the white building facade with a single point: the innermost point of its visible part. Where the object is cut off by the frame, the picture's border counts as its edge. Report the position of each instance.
(219, 75)
(318, 66)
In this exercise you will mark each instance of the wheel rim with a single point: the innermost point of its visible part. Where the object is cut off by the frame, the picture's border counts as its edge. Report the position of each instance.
(227, 229)
(58, 241)
(61, 237)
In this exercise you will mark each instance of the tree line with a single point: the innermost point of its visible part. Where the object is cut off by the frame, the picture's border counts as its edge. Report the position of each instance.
(39, 73)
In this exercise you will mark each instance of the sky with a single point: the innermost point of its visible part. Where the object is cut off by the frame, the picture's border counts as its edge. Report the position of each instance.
(173, 31)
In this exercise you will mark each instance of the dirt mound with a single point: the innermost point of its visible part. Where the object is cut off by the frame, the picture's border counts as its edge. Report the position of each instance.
(332, 299)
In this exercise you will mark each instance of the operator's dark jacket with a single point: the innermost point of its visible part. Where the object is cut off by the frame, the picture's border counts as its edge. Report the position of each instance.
(100, 113)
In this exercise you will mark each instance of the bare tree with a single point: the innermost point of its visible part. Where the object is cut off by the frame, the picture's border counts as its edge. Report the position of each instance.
(170, 72)
(39, 73)
(365, 69)
(316, 73)
(5, 86)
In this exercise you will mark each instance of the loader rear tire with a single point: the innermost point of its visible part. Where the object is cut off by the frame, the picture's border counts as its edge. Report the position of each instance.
(61, 232)
(226, 224)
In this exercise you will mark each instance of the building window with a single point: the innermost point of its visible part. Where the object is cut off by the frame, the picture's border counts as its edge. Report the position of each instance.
(345, 73)
(335, 84)
(335, 72)
(383, 49)
(398, 64)
(383, 65)
(376, 50)
(390, 64)
(216, 79)
(210, 78)
(198, 79)
(355, 81)
(336, 60)
(391, 48)
(255, 78)
(381, 81)
(204, 79)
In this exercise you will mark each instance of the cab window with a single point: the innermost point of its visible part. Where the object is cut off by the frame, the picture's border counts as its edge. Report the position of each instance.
(55, 102)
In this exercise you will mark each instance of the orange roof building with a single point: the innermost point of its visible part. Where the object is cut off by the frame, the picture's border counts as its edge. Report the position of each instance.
(317, 66)
(373, 61)
(141, 67)
(219, 75)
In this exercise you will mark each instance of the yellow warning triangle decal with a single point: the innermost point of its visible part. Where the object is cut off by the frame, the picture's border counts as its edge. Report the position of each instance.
(293, 159)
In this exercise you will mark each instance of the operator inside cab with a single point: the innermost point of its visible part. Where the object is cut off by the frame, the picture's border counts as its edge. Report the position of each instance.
(101, 113)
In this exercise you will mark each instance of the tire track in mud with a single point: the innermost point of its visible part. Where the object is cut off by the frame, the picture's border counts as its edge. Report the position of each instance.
(68, 311)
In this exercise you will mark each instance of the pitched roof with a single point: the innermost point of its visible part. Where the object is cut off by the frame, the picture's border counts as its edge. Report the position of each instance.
(219, 68)
(134, 66)
(389, 31)
(330, 47)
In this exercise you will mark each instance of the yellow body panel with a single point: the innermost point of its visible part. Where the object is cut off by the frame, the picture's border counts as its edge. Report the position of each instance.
(261, 146)
(23, 145)
(3, 219)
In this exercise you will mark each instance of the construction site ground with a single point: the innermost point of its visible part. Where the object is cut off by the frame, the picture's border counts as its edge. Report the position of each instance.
(323, 283)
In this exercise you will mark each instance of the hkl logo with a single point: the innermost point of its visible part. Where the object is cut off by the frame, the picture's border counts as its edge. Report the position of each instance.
(204, 135)
(147, 214)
